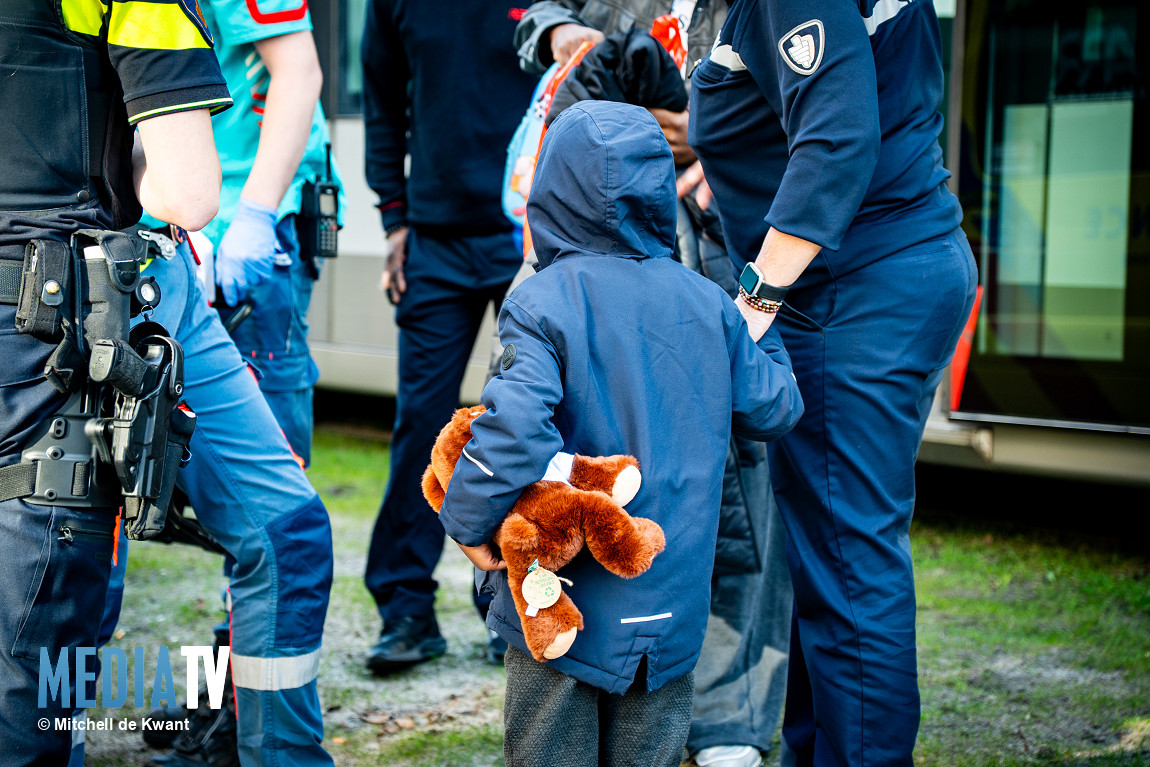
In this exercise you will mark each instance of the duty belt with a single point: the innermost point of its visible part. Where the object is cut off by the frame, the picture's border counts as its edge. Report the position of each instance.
(12, 261)
(11, 269)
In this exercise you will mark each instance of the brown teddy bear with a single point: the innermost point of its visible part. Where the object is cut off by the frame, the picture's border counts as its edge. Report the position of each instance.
(580, 501)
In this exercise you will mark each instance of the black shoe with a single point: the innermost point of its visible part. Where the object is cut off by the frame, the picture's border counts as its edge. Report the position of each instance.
(209, 741)
(496, 648)
(158, 729)
(405, 642)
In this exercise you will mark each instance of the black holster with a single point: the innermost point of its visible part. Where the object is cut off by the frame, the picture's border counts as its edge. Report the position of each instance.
(124, 387)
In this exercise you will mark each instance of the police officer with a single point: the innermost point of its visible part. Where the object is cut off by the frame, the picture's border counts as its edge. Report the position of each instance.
(247, 489)
(75, 76)
(817, 124)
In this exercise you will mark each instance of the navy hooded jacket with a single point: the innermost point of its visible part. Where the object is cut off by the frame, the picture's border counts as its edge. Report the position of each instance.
(619, 349)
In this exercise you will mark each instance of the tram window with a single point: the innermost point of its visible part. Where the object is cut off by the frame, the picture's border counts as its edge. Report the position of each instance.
(1056, 193)
(350, 95)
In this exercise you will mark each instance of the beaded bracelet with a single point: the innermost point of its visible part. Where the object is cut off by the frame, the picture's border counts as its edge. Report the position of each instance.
(762, 304)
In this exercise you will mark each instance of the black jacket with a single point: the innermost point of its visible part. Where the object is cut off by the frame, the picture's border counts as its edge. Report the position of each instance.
(609, 17)
(631, 67)
(440, 82)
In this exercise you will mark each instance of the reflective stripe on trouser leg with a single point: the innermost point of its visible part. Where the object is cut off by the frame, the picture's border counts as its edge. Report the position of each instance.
(274, 673)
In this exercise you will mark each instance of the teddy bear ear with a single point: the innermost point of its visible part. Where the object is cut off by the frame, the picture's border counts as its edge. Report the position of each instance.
(626, 486)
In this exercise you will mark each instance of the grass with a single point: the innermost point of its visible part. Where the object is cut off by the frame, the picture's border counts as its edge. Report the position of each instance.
(1034, 636)
(1034, 647)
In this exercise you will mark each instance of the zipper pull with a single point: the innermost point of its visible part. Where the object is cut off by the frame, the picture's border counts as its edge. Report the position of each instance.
(66, 535)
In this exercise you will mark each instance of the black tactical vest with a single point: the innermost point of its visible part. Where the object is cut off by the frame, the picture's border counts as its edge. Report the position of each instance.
(65, 142)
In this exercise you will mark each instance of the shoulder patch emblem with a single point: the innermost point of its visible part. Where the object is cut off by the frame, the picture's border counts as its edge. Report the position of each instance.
(508, 357)
(802, 47)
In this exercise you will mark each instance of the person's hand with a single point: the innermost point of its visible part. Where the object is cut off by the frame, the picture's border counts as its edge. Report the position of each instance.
(566, 39)
(757, 321)
(482, 557)
(692, 180)
(674, 125)
(246, 255)
(391, 282)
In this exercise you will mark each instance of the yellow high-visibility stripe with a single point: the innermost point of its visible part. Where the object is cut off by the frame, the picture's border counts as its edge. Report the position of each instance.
(159, 26)
(214, 105)
(84, 16)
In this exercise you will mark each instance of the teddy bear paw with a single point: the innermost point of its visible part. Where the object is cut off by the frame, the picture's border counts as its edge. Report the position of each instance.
(626, 485)
(561, 644)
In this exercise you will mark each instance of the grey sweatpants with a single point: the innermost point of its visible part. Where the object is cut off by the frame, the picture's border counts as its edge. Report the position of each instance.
(553, 720)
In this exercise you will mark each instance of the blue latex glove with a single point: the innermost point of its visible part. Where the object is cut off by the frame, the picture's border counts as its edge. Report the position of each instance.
(246, 255)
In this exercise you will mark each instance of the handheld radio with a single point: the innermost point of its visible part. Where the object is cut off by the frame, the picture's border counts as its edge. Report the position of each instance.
(319, 224)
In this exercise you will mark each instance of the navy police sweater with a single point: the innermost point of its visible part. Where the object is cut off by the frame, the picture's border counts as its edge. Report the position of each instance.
(441, 82)
(825, 126)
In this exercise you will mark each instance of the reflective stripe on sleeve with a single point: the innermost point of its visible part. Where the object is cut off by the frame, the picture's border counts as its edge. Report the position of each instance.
(157, 26)
(253, 673)
(482, 468)
(213, 105)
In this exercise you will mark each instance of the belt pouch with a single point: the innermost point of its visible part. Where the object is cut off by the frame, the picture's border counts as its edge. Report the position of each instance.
(45, 284)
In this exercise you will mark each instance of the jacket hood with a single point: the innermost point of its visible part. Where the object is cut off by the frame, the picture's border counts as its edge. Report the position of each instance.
(604, 185)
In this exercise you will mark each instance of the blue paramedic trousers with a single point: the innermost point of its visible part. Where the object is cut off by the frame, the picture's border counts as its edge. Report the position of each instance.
(249, 492)
(450, 284)
(274, 339)
(844, 481)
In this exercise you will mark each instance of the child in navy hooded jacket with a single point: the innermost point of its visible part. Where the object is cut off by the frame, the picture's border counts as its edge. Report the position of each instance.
(614, 347)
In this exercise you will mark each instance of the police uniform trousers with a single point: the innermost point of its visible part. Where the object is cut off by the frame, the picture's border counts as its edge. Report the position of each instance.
(273, 338)
(247, 489)
(54, 564)
(451, 282)
(844, 480)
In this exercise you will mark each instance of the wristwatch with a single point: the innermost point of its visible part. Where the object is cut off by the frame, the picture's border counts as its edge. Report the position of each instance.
(751, 280)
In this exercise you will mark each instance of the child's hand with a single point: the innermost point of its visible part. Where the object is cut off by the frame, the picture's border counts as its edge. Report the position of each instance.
(757, 321)
(482, 557)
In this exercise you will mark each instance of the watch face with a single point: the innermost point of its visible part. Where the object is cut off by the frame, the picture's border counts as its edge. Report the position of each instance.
(749, 280)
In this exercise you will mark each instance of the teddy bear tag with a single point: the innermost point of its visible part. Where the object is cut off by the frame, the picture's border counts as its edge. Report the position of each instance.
(541, 588)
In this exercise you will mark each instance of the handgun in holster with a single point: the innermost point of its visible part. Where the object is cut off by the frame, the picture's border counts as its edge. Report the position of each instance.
(123, 433)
